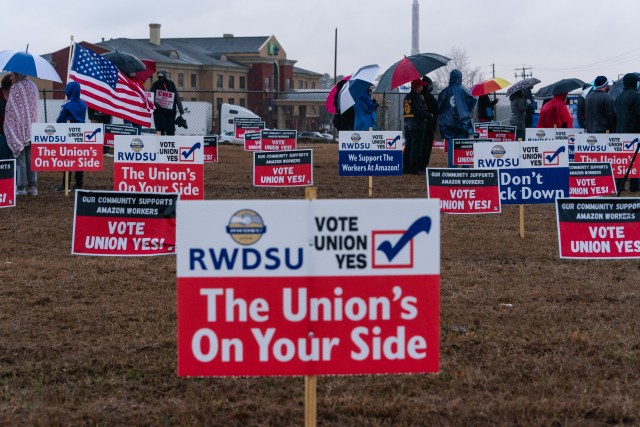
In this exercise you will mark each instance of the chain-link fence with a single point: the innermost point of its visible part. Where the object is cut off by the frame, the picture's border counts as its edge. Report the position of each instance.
(300, 110)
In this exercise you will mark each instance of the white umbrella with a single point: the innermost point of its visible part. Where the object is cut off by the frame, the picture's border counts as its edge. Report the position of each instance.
(23, 62)
(359, 82)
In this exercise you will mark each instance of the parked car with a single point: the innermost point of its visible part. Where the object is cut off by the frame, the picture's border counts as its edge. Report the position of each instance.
(312, 137)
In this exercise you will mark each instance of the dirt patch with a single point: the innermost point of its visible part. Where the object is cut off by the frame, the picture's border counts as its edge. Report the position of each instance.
(526, 338)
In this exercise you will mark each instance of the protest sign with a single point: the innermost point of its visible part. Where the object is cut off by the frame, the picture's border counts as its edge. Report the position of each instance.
(552, 134)
(108, 223)
(159, 164)
(599, 228)
(252, 141)
(66, 147)
(7, 183)
(278, 140)
(462, 153)
(304, 287)
(283, 169)
(591, 179)
(614, 148)
(496, 132)
(465, 191)
(164, 99)
(241, 125)
(439, 144)
(530, 172)
(211, 149)
(369, 153)
(110, 131)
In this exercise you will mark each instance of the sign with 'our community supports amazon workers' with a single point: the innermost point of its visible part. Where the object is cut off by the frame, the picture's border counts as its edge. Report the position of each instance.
(304, 287)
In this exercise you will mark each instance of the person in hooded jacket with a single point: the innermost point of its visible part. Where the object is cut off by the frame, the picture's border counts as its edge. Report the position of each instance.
(365, 112)
(72, 111)
(628, 118)
(455, 104)
(519, 106)
(555, 114)
(431, 103)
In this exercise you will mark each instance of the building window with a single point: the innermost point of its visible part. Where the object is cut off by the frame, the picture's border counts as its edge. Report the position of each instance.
(287, 84)
(306, 85)
(219, 103)
(219, 81)
(180, 79)
(231, 82)
(313, 85)
(242, 82)
(193, 80)
(267, 83)
(193, 98)
(299, 84)
(243, 102)
(232, 101)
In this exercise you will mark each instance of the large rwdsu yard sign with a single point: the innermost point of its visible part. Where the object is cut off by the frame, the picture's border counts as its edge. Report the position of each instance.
(308, 288)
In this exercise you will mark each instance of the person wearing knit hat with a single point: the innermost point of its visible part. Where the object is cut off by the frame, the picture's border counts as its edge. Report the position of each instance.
(628, 118)
(600, 110)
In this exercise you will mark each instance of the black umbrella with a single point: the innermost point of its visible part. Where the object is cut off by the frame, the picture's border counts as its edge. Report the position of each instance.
(562, 86)
(126, 62)
(527, 83)
(617, 87)
(410, 68)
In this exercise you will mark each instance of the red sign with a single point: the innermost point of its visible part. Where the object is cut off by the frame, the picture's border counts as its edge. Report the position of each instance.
(211, 149)
(600, 228)
(243, 125)
(159, 164)
(252, 141)
(124, 224)
(66, 147)
(463, 151)
(302, 287)
(110, 131)
(283, 169)
(465, 191)
(439, 144)
(619, 162)
(7, 183)
(278, 140)
(591, 179)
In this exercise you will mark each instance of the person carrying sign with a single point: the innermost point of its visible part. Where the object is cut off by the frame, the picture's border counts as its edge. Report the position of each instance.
(166, 99)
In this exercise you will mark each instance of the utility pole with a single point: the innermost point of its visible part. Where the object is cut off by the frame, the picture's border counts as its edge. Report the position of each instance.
(493, 70)
(523, 72)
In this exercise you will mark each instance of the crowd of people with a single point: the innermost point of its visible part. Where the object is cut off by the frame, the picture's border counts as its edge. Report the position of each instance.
(19, 98)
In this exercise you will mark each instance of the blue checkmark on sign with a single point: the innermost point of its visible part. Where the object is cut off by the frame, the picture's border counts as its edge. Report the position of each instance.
(393, 142)
(550, 158)
(421, 224)
(94, 133)
(188, 153)
(629, 145)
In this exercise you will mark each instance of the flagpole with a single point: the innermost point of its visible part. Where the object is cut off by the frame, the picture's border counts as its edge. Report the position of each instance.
(71, 51)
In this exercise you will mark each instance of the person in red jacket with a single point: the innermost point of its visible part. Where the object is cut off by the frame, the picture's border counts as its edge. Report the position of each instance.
(555, 114)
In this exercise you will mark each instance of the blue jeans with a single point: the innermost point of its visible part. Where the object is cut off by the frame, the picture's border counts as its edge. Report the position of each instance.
(24, 174)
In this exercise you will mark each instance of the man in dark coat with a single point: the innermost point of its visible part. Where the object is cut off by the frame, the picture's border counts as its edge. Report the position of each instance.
(431, 103)
(455, 104)
(415, 125)
(166, 99)
(600, 108)
(628, 118)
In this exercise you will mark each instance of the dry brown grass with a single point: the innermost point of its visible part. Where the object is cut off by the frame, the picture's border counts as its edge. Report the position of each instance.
(92, 340)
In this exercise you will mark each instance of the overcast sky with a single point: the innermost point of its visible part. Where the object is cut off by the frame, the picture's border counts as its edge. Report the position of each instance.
(554, 38)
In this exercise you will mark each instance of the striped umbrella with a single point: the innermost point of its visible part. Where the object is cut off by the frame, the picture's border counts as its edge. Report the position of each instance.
(489, 86)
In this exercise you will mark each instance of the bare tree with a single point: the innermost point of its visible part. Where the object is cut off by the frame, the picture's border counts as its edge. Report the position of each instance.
(460, 61)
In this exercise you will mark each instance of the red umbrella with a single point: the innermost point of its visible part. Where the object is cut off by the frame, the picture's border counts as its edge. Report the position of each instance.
(410, 68)
(488, 86)
(330, 103)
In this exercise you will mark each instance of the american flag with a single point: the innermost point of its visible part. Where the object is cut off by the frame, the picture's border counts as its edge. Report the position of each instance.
(104, 88)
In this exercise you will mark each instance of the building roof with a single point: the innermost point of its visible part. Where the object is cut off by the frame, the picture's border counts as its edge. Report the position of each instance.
(209, 51)
(298, 70)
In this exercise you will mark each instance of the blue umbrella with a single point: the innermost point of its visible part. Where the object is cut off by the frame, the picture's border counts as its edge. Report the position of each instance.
(359, 83)
(23, 62)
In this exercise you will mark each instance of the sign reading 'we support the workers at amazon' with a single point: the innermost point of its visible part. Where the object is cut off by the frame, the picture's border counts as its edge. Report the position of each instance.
(308, 287)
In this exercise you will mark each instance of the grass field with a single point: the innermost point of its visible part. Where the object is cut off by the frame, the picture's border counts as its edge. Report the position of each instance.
(526, 338)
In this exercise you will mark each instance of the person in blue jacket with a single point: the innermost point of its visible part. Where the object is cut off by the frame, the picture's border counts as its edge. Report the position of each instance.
(73, 111)
(365, 112)
(455, 104)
